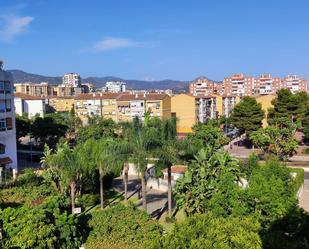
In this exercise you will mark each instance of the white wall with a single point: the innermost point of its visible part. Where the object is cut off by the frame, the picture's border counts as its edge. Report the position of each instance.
(30, 106)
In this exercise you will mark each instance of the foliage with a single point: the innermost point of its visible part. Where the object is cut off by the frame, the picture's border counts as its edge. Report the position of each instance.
(247, 115)
(88, 200)
(276, 140)
(22, 126)
(97, 128)
(288, 106)
(43, 226)
(122, 227)
(203, 179)
(290, 231)
(271, 193)
(209, 135)
(207, 231)
(29, 177)
(49, 129)
(306, 150)
(252, 164)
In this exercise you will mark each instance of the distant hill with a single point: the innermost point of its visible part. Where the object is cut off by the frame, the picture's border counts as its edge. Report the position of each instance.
(177, 85)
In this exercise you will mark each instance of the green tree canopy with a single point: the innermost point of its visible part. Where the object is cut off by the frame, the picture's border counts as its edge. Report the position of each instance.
(276, 140)
(203, 180)
(122, 227)
(207, 231)
(247, 115)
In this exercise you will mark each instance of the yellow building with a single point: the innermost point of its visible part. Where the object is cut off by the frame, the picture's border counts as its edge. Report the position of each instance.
(184, 108)
(136, 105)
(265, 101)
(61, 104)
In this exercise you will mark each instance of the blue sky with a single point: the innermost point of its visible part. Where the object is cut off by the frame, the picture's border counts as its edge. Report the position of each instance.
(156, 39)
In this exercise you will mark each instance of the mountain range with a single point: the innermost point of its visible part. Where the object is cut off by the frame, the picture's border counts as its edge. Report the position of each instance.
(176, 85)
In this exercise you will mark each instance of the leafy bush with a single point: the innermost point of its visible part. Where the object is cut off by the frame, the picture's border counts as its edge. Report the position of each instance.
(29, 178)
(306, 151)
(271, 193)
(25, 195)
(88, 200)
(206, 231)
(44, 226)
(122, 227)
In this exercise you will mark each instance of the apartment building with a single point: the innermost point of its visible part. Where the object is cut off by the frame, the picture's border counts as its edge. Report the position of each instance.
(115, 86)
(136, 105)
(42, 89)
(190, 110)
(225, 104)
(31, 105)
(96, 104)
(294, 83)
(71, 80)
(239, 84)
(60, 104)
(201, 86)
(8, 155)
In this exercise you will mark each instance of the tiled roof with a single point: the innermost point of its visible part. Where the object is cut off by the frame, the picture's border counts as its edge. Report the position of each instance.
(97, 96)
(149, 96)
(177, 169)
(26, 96)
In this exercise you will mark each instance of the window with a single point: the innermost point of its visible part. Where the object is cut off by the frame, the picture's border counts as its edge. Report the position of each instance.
(7, 87)
(9, 124)
(2, 125)
(2, 106)
(8, 105)
(2, 149)
(1, 86)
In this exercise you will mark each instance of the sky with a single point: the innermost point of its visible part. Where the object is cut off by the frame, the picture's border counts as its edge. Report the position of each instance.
(156, 39)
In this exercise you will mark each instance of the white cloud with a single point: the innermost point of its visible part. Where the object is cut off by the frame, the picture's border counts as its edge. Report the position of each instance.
(12, 26)
(111, 43)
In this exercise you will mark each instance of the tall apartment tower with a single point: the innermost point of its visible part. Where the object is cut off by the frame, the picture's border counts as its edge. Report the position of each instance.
(8, 155)
(294, 83)
(71, 80)
(201, 86)
(239, 85)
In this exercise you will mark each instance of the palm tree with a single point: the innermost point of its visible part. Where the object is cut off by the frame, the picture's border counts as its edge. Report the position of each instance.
(66, 167)
(143, 140)
(168, 154)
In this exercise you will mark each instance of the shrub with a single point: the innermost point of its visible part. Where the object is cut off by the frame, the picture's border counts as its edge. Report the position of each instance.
(88, 200)
(207, 231)
(29, 178)
(122, 227)
(306, 151)
(47, 225)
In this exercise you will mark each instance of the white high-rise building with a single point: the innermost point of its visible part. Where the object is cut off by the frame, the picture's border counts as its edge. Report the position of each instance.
(71, 80)
(8, 155)
(115, 86)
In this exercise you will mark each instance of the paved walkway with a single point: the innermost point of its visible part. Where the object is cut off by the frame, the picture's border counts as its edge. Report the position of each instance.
(155, 199)
(304, 196)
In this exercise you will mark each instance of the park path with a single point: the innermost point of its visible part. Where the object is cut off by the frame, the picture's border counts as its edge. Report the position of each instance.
(156, 200)
(304, 195)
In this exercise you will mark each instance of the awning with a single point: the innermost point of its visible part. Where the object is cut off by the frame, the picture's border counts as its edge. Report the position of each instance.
(5, 160)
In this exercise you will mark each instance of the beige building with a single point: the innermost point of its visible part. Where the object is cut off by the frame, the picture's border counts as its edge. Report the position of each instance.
(136, 105)
(42, 89)
(96, 104)
(60, 104)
